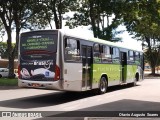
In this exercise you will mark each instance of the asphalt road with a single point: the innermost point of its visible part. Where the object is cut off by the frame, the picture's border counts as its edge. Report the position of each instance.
(119, 100)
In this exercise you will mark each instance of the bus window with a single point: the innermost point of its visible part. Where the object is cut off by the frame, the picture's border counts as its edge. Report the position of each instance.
(137, 58)
(131, 56)
(106, 56)
(72, 50)
(115, 55)
(96, 53)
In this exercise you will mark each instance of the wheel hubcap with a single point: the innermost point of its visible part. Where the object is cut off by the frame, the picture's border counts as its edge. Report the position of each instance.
(103, 86)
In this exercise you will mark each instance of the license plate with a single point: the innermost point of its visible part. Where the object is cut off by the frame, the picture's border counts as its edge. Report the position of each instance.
(35, 85)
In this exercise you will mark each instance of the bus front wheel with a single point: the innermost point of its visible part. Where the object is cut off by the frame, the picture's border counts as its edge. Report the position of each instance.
(103, 85)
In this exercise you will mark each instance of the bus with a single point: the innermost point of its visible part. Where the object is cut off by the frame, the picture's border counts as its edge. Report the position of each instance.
(57, 60)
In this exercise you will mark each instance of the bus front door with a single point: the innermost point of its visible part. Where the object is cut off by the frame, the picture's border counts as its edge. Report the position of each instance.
(86, 67)
(123, 67)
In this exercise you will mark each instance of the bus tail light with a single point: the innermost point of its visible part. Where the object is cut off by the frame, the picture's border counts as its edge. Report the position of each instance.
(18, 71)
(57, 73)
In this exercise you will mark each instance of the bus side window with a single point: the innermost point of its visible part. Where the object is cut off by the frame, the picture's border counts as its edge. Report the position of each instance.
(137, 58)
(106, 56)
(115, 55)
(131, 56)
(96, 53)
(72, 50)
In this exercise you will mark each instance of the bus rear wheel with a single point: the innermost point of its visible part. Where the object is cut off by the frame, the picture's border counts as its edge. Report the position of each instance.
(103, 85)
(134, 82)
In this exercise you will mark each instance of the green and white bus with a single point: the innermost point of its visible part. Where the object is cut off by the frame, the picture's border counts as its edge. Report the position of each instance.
(54, 59)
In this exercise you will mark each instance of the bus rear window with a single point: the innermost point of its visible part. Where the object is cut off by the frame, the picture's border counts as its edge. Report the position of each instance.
(38, 46)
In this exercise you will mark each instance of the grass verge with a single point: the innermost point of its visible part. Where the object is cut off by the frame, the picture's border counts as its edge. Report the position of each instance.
(8, 82)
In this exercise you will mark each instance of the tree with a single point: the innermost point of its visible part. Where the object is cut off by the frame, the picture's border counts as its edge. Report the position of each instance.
(29, 14)
(141, 18)
(148, 57)
(17, 15)
(3, 50)
(7, 20)
(56, 9)
(97, 13)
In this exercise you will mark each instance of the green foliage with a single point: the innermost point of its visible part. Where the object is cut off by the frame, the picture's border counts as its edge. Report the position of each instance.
(151, 55)
(4, 51)
(16, 15)
(97, 13)
(142, 19)
(54, 10)
(153, 58)
(3, 48)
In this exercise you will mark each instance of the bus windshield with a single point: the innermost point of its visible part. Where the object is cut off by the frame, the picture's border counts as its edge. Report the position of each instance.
(38, 56)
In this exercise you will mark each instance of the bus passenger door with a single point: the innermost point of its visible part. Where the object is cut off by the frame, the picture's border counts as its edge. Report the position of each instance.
(86, 67)
(123, 67)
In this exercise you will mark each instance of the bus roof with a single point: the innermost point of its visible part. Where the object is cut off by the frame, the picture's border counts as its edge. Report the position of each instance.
(115, 44)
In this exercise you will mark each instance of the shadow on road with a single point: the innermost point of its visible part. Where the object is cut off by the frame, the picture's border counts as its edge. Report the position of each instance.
(52, 98)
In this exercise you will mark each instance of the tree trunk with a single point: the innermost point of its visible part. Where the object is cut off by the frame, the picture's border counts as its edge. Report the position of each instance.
(92, 16)
(153, 70)
(15, 50)
(56, 20)
(152, 62)
(152, 57)
(10, 55)
(60, 14)
(98, 19)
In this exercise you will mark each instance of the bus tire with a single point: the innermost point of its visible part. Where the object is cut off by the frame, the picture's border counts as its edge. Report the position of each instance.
(103, 85)
(0, 75)
(134, 83)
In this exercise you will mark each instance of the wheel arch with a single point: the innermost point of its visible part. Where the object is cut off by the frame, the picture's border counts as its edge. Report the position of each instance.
(105, 75)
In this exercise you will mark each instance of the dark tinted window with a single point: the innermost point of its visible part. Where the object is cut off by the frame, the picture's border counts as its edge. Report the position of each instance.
(96, 53)
(72, 50)
(137, 58)
(115, 55)
(38, 46)
(131, 55)
(106, 56)
(38, 42)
